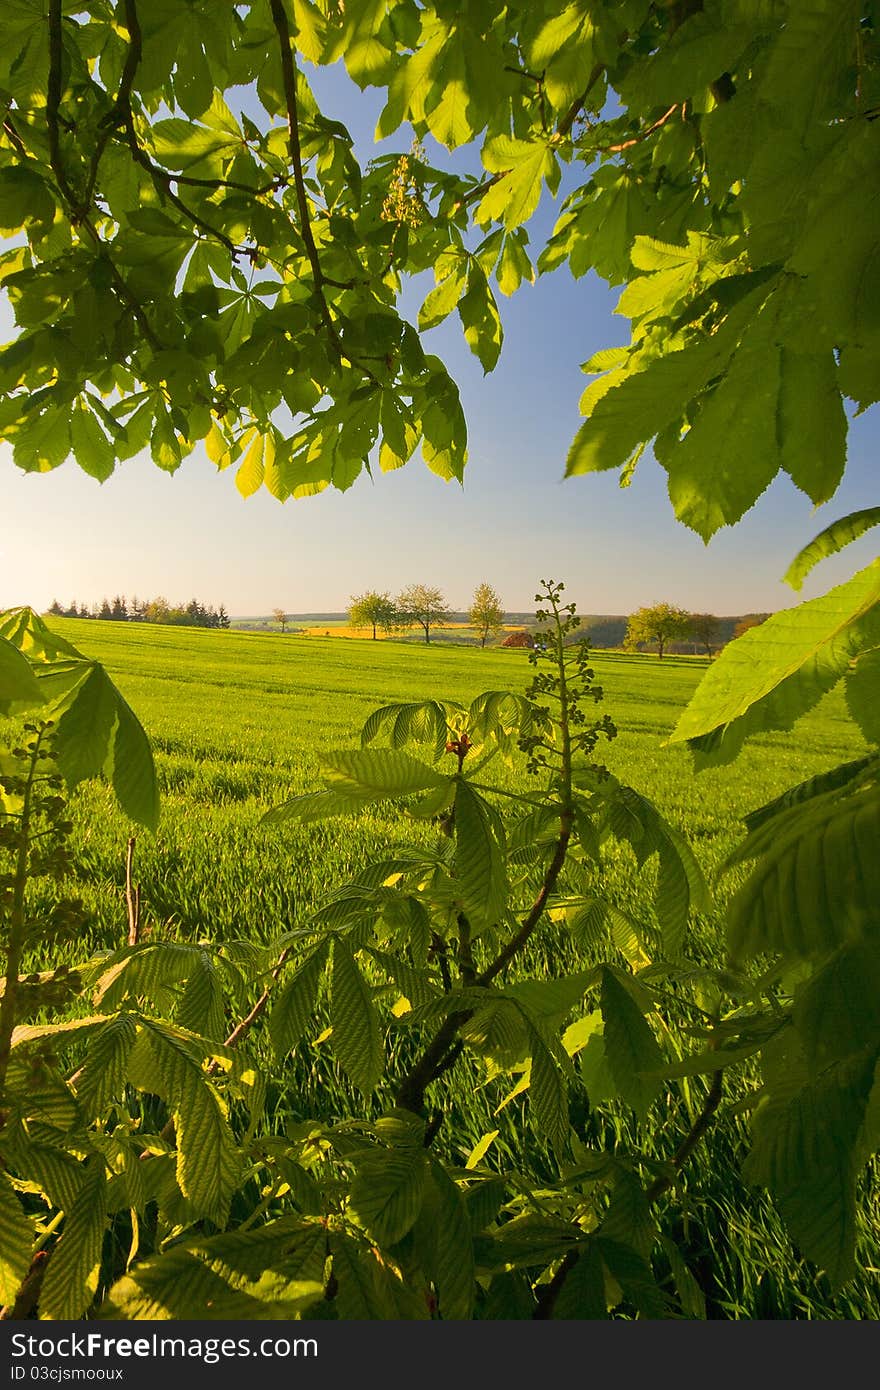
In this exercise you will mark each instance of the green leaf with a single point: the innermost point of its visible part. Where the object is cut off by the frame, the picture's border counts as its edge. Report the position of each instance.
(273, 1272)
(863, 693)
(709, 486)
(828, 542)
(357, 1041)
(296, 1002)
(479, 859)
(377, 773)
(16, 1242)
(18, 684)
(208, 1160)
(96, 731)
(816, 883)
(72, 1273)
(805, 791)
(441, 301)
(582, 1295)
(774, 673)
(837, 1013)
(549, 1095)
(369, 1287)
(522, 165)
(93, 450)
(811, 423)
(201, 1009)
(452, 1251)
(258, 459)
(803, 1150)
(639, 407)
(386, 1195)
(628, 1219)
(315, 806)
(480, 320)
(630, 1046)
(101, 1078)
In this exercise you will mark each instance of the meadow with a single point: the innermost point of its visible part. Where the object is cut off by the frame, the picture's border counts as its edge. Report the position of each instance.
(237, 721)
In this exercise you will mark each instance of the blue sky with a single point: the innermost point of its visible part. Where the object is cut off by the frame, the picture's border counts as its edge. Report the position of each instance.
(514, 521)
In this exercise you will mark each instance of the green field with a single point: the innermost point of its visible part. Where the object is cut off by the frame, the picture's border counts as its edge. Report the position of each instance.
(237, 721)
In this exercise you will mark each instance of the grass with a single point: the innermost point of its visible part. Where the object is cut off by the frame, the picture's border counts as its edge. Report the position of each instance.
(238, 721)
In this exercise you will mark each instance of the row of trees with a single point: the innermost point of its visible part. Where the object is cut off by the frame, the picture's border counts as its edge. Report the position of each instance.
(422, 605)
(156, 610)
(663, 623)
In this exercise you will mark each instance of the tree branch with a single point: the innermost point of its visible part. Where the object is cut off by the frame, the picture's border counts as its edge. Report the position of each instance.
(123, 96)
(288, 74)
(571, 115)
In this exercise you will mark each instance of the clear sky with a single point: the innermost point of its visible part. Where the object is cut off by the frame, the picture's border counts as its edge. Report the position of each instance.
(514, 521)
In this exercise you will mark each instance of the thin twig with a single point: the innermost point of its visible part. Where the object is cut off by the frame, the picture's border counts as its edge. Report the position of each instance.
(642, 135)
(132, 897)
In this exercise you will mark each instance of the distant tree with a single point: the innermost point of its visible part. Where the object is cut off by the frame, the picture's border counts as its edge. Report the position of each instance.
(662, 623)
(485, 613)
(606, 632)
(749, 620)
(222, 617)
(105, 611)
(119, 609)
(281, 618)
(372, 609)
(56, 610)
(705, 629)
(158, 610)
(423, 606)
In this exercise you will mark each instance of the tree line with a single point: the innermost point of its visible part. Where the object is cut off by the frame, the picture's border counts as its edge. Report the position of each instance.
(662, 625)
(156, 610)
(424, 606)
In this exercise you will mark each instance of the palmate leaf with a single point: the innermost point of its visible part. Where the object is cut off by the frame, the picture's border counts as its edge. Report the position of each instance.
(816, 883)
(154, 970)
(16, 1242)
(828, 542)
(96, 732)
(428, 722)
(357, 1040)
(774, 673)
(276, 1271)
(72, 1274)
